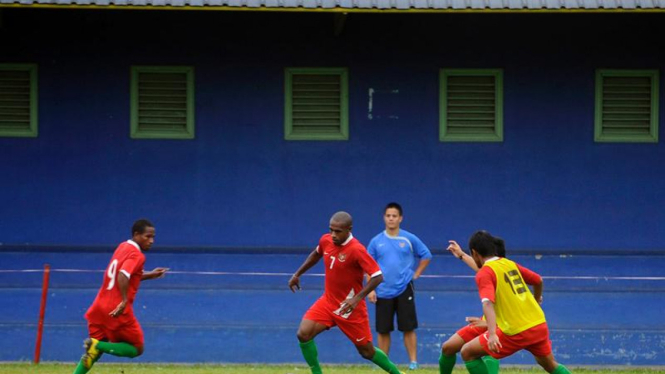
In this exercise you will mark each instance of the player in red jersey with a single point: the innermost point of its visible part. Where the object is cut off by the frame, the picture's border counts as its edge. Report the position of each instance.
(515, 320)
(342, 304)
(112, 326)
(476, 326)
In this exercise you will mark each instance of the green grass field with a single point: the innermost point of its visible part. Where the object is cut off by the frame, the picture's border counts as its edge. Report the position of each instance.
(131, 368)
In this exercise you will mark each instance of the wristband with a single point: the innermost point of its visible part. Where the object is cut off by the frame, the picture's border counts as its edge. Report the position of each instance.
(461, 257)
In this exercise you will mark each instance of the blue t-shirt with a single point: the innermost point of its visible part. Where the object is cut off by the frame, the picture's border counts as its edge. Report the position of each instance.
(398, 258)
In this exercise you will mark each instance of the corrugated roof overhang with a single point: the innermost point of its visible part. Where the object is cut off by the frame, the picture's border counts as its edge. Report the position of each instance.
(349, 6)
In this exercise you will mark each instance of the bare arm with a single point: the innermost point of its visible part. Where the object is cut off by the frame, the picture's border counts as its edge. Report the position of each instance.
(350, 304)
(123, 286)
(154, 274)
(371, 296)
(311, 260)
(538, 292)
(534, 280)
(493, 340)
(370, 286)
(421, 267)
(457, 251)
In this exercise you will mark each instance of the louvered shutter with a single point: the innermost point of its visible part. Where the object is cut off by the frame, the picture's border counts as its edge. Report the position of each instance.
(471, 105)
(163, 102)
(626, 106)
(18, 101)
(316, 105)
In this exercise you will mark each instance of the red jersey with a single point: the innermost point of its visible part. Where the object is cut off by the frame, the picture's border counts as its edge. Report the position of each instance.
(346, 266)
(129, 260)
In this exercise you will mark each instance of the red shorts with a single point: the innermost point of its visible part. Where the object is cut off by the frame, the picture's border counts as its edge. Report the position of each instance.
(470, 332)
(128, 332)
(535, 340)
(355, 327)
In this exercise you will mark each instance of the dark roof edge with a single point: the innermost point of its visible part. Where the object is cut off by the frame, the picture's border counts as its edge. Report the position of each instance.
(18, 5)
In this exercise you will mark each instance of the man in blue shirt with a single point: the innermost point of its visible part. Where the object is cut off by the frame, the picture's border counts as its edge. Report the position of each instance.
(402, 258)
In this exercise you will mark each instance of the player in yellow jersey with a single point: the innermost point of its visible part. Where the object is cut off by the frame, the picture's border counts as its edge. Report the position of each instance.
(476, 326)
(515, 320)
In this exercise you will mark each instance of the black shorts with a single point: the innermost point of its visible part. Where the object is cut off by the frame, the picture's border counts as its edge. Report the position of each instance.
(405, 307)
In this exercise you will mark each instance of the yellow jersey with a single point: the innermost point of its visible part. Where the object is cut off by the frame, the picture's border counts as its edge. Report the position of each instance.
(503, 282)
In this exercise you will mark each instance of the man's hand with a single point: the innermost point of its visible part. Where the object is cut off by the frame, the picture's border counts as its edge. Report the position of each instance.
(159, 272)
(454, 248)
(154, 274)
(348, 305)
(294, 283)
(493, 343)
(476, 322)
(119, 309)
(372, 297)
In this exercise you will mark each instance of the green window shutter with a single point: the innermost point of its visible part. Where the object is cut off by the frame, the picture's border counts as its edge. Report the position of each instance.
(18, 100)
(471, 107)
(162, 102)
(316, 104)
(626, 106)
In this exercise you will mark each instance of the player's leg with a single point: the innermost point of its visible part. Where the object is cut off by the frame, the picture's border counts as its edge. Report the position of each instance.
(120, 349)
(369, 352)
(454, 344)
(477, 354)
(83, 367)
(541, 349)
(471, 354)
(90, 356)
(357, 329)
(385, 315)
(126, 341)
(491, 363)
(407, 322)
(316, 320)
(550, 365)
(307, 331)
(449, 351)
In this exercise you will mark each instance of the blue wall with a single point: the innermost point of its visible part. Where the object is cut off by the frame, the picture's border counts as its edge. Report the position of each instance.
(547, 186)
(601, 310)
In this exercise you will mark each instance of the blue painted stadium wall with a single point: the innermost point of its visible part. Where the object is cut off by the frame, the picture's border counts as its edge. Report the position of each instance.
(211, 309)
(547, 186)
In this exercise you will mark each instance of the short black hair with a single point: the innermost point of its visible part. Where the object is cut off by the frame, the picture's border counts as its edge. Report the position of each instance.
(393, 205)
(484, 243)
(500, 246)
(140, 226)
(342, 217)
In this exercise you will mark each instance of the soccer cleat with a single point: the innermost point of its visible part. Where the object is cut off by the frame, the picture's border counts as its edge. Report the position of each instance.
(91, 352)
(413, 365)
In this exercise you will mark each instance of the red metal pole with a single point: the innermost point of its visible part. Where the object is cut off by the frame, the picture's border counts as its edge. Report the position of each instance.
(42, 311)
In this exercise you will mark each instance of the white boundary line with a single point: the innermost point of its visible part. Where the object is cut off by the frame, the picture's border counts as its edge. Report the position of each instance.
(434, 276)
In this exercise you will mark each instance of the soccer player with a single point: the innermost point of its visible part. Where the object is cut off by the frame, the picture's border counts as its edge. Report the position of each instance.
(475, 327)
(402, 257)
(112, 326)
(515, 320)
(343, 301)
